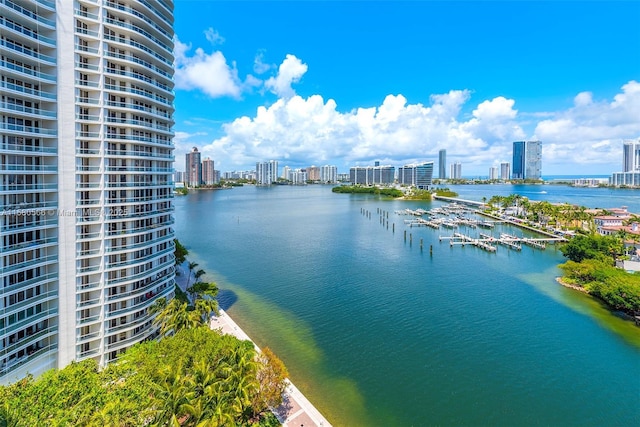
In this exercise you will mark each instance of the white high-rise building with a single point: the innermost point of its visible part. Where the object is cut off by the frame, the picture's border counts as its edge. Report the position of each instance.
(493, 173)
(286, 171)
(505, 171)
(630, 175)
(631, 155)
(328, 174)
(456, 170)
(87, 165)
(266, 172)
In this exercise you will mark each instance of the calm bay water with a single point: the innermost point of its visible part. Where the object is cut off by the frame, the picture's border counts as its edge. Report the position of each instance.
(376, 331)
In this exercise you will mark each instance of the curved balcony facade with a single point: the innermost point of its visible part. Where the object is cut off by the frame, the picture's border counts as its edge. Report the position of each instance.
(122, 67)
(86, 230)
(28, 189)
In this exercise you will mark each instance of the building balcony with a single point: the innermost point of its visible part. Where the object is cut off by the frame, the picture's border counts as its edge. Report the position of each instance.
(23, 111)
(151, 54)
(24, 73)
(24, 52)
(135, 29)
(147, 65)
(17, 12)
(41, 261)
(26, 33)
(132, 248)
(30, 283)
(133, 14)
(146, 303)
(128, 280)
(20, 90)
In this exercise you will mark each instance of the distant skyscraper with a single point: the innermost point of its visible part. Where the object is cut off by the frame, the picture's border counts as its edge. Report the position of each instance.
(456, 170)
(493, 173)
(299, 177)
(505, 171)
(419, 175)
(630, 175)
(631, 155)
(285, 172)
(527, 160)
(313, 173)
(442, 164)
(329, 174)
(208, 172)
(372, 175)
(193, 168)
(266, 172)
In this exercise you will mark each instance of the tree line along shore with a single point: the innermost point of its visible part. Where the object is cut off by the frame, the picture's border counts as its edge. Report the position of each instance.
(190, 376)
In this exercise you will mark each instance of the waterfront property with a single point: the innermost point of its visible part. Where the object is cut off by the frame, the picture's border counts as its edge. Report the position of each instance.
(87, 107)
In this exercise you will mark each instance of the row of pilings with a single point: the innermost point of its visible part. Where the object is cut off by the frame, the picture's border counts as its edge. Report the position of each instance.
(383, 219)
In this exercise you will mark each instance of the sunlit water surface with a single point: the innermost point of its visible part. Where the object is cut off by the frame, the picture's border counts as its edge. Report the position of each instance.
(378, 331)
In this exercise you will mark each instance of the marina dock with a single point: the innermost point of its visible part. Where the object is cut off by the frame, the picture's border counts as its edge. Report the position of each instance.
(464, 213)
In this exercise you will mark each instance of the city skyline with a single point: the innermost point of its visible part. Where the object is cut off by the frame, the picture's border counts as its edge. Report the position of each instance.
(346, 91)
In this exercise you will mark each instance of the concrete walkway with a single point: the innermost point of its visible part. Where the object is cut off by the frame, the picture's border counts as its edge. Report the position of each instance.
(296, 410)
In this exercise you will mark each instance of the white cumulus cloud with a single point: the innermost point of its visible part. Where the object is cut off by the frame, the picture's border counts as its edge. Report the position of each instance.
(290, 71)
(590, 132)
(306, 131)
(208, 72)
(303, 131)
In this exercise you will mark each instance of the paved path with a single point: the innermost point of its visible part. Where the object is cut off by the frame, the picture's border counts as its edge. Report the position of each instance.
(296, 410)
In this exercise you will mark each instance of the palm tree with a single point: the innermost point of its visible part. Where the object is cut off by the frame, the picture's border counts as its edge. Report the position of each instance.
(192, 266)
(197, 275)
(171, 397)
(176, 316)
(204, 307)
(9, 417)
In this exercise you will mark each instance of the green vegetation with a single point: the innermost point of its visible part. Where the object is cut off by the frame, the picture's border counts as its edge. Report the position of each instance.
(182, 191)
(196, 378)
(416, 194)
(192, 376)
(543, 214)
(591, 267)
(180, 252)
(391, 192)
(445, 192)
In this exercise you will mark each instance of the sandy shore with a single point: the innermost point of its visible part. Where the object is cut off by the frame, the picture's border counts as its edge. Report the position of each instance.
(296, 410)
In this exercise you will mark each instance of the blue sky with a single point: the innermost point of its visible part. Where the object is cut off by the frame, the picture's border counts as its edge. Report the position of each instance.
(348, 83)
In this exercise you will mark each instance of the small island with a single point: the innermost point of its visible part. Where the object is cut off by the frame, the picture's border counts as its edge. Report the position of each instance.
(405, 193)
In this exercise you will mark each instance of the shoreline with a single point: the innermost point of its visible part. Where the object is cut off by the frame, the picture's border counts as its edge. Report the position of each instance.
(296, 409)
(622, 314)
(570, 286)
